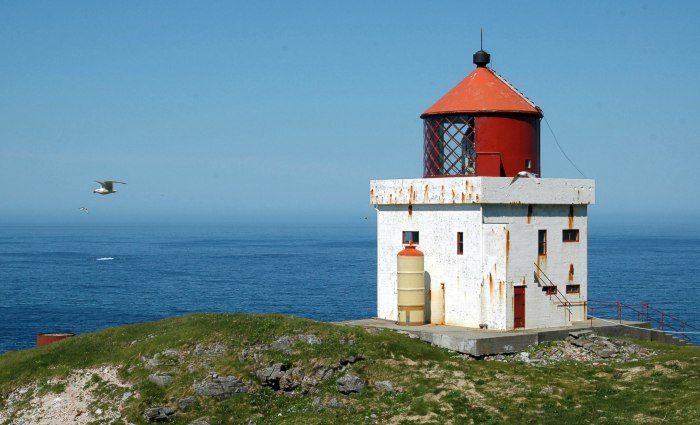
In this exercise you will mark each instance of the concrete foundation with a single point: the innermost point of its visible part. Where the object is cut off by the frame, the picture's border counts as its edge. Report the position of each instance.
(483, 342)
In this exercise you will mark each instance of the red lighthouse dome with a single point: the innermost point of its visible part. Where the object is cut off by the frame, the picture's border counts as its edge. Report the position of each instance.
(482, 127)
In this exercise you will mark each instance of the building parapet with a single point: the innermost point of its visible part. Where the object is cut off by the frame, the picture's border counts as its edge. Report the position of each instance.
(482, 190)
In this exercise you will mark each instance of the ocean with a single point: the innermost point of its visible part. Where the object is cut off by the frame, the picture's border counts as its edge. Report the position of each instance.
(80, 278)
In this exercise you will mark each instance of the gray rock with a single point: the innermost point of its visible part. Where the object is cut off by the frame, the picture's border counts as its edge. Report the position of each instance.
(171, 353)
(150, 362)
(162, 380)
(351, 359)
(220, 387)
(316, 402)
(386, 386)
(309, 339)
(606, 353)
(349, 384)
(270, 376)
(185, 403)
(127, 395)
(291, 380)
(200, 421)
(159, 414)
(547, 391)
(335, 403)
(283, 344)
(210, 350)
(581, 334)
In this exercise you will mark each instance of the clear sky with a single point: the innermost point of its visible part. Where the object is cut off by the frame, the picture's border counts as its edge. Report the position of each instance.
(250, 111)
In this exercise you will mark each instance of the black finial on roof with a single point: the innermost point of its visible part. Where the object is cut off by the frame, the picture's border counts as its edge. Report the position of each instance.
(482, 58)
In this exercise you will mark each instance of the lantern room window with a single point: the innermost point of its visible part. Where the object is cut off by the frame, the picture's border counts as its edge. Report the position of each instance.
(448, 146)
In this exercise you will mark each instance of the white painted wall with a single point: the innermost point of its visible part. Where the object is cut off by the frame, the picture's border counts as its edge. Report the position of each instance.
(500, 246)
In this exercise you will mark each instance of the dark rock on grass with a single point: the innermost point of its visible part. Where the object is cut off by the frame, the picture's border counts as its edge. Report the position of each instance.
(283, 344)
(185, 403)
(351, 359)
(162, 380)
(220, 386)
(270, 376)
(159, 414)
(349, 383)
(291, 380)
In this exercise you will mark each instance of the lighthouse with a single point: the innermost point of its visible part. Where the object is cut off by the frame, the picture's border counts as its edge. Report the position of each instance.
(502, 247)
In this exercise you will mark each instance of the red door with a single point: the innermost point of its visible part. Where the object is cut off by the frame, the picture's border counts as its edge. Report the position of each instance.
(519, 307)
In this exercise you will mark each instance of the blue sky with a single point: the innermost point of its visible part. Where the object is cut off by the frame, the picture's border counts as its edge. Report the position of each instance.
(255, 111)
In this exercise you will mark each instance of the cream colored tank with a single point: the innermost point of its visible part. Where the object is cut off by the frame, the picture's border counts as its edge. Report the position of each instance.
(411, 286)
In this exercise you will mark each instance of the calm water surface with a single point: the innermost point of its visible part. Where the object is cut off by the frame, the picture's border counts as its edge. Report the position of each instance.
(51, 280)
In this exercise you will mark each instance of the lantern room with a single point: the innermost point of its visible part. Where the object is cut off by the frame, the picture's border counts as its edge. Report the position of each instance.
(482, 127)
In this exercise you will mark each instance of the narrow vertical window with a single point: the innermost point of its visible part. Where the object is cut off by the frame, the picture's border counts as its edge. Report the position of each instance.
(410, 237)
(460, 243)
(542, 242)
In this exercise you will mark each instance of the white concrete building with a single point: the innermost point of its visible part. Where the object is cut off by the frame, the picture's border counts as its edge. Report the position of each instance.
(503, 248)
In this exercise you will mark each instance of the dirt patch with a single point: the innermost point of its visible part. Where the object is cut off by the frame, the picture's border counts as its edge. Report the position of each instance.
(85, 396)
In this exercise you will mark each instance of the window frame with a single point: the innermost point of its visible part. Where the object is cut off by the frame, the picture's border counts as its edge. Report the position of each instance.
(410, 241)
(550, 290)
(573, 289)
(542, 242)
(460, 243)
(570, 232)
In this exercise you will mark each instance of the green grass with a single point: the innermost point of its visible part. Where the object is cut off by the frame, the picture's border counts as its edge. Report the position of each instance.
(435, 386)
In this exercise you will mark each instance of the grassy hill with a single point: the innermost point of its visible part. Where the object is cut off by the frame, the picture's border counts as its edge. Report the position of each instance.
(285, 370)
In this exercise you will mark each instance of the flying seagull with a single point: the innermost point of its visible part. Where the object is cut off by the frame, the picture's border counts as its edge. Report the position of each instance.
(85, 210)
(106, 188)
(525, 174)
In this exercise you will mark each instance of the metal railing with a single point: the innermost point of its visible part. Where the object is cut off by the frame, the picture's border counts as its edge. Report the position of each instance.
(643, 312)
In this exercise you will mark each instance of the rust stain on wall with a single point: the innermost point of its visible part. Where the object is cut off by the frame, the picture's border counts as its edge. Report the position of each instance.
(464, 198)
(571, 272)
(426, 196)
(501, 287)
(571, 216)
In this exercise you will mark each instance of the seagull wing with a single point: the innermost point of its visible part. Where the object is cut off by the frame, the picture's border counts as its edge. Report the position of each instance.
(107, 185)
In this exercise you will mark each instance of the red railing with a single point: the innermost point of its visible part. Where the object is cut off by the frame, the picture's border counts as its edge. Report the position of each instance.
(642, 312)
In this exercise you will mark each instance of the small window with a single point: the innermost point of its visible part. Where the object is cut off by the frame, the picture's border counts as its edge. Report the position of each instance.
(573, 289)
(542, 242)
(570, 235)
(460, 243)
(410, 237)
(550, 290)
(528, 163)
